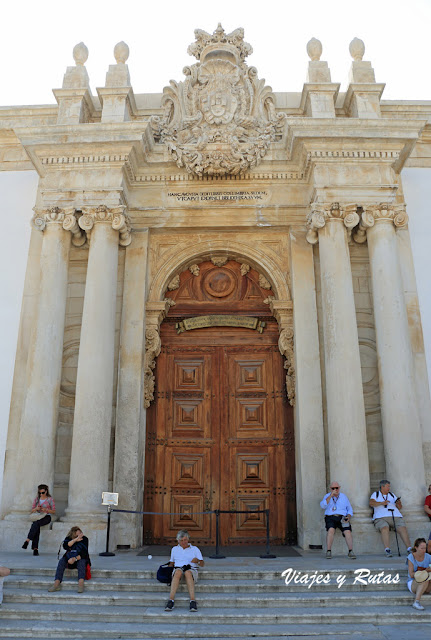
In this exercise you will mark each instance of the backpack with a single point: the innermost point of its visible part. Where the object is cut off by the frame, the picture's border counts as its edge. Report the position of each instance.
(164, 573)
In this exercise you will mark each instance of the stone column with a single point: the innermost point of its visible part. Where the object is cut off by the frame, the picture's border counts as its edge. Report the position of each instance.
(130, 423)
(401, 425)
(309, 441)
(28, 320)
(36, 448)
(347, 440)
(89, 466)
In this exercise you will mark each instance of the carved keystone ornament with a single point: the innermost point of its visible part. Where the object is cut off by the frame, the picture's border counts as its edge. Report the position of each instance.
(221, 119)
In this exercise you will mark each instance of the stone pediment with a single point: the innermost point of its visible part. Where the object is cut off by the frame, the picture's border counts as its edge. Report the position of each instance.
(221, 119)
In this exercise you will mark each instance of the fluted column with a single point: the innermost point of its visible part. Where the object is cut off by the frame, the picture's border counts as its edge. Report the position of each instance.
(36, 449)
(347, 440)
(91, 438)
(400, 419)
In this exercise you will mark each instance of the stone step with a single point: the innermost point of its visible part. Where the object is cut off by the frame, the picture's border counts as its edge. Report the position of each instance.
(225, 599)
(63, 611)
(45, 630)
(212, 586)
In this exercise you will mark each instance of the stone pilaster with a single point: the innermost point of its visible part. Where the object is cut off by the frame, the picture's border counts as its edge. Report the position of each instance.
(401, 425)
(39, 414)
(347, 441)
(89, 467)
(309, 440)
(131, 416)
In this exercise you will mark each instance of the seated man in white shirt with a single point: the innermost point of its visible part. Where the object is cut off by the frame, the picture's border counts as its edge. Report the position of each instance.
(185, 558)
(386, 505)
(338, 512)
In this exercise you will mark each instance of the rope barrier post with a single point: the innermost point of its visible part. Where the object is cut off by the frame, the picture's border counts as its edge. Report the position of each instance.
(267, 554)
(108, 529)
(217, 555)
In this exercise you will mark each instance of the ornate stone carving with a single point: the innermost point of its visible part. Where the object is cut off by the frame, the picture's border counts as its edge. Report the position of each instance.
(321, 212)
(286, 347)
(116, 216)
(174, 283)
(269, 299)
(245, 268)
(194, 269)
(263, 282)
(221, 119)
(152, 350)
(64, 217)
(219, 262)
(170, 302)
(392, 213)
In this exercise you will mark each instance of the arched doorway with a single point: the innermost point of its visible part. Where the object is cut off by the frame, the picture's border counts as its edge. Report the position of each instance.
(220, 429)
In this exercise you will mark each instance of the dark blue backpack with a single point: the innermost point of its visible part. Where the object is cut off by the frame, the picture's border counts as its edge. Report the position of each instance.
(164, 573)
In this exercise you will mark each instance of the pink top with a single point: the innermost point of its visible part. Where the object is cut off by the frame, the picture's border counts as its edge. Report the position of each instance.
(45, 503)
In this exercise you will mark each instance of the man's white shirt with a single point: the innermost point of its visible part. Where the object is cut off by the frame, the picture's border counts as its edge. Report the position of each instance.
(341, 504)
(382, 511)
(180, 556)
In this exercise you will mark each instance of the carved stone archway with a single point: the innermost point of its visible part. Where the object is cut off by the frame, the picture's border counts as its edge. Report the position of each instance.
(158, 306)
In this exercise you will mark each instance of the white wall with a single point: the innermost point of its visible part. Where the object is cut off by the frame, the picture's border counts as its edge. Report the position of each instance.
(417, 194)
(17, 198)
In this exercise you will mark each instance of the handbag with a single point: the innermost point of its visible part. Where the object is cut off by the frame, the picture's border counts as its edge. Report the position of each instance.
(88, 572)
(164, 573)
(36, 516)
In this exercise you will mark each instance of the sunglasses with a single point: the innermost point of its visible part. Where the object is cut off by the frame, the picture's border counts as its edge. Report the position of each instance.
(334, 488)
(40, 492)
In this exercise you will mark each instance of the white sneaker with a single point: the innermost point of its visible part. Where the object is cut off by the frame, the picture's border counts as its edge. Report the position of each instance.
(417, 605)
(388, 553)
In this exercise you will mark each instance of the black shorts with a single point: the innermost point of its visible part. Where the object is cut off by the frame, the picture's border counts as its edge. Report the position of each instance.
(334, 522)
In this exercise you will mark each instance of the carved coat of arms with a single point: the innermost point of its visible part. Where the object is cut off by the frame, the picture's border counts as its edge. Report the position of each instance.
(221, 119)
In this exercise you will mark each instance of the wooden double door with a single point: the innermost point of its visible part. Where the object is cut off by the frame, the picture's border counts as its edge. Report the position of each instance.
(220, 436)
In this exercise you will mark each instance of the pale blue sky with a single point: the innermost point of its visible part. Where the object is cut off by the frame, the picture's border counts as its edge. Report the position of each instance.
(38, 38)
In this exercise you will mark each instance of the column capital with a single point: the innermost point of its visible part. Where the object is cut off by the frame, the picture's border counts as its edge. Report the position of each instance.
(64, 217)
(381, 213)
(115, 216)
(321, 212)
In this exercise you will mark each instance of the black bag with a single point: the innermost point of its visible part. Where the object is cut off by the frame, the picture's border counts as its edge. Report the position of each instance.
(164, 573)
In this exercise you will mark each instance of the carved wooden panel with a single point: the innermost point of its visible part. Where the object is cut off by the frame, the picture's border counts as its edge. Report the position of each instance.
(220, 436)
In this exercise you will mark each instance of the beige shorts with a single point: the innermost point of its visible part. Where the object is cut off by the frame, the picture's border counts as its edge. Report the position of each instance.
(194, 573)
(381, 523)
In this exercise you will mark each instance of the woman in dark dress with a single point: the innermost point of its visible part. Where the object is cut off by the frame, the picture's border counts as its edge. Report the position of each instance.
(76, 556)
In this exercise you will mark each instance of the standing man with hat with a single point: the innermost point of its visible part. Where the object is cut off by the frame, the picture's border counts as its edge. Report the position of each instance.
(338, 512)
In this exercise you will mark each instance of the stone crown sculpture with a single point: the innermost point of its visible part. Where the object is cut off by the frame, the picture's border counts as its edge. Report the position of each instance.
(221, 119)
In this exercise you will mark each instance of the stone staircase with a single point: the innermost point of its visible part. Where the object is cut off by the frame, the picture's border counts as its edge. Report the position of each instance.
(232, 604)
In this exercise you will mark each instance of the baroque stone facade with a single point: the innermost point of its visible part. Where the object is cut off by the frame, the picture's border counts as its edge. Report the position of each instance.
(136, 190)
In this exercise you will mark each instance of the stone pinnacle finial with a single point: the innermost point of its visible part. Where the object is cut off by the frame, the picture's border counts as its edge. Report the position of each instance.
(314, 49)
(121, 52)
(357, 49)
(80, 54)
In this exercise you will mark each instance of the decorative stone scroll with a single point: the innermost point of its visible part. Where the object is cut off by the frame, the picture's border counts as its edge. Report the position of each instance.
(65, 217)
(321, 212)
(221, 119)
(219, 262)
(116, 216)
(194, 269)
(286, 347)
(152, 350)
(392, 213)
(245, 268)
(263, 282)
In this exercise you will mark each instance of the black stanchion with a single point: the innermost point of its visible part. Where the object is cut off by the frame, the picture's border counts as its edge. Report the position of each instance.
(107, 552)
(217, 555)
(395, 529)
(268, 554)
